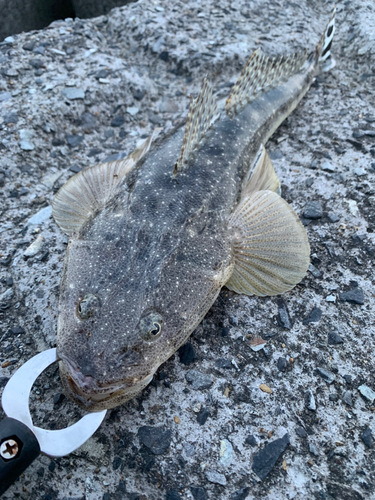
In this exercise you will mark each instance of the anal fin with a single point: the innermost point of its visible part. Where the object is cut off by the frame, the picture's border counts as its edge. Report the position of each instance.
(263, 176)
(89, 190)
(270, 245)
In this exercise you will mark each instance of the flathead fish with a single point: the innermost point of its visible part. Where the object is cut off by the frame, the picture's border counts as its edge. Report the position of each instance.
(154, 237)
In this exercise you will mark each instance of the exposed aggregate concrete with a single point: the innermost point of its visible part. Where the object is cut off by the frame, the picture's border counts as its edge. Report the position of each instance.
(79, 92)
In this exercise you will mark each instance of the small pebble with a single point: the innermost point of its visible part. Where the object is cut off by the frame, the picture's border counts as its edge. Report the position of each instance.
(313, 210)
(309, 401)
(326, 375)
(187, 354)
(300, 431)
(334, 338)
(355, 296)
(73, 93)
(313, 317)
(202, 416)
(35, 247)
(347, 398)
(282, 364)
(366, 437)
(332, 217)
(250, 440)
(241, 494)
(331, 298)
(132, 111)
(226, 452)
(367, 392)
(215, 477)
(265, 388)
(328, 167)
(41, 216)
(313, 449)
(25, 139)
(267, 457)
(283, 316)
(314, 271)
(156, 439)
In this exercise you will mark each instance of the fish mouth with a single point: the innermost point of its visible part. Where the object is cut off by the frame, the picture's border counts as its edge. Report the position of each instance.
(85, 391)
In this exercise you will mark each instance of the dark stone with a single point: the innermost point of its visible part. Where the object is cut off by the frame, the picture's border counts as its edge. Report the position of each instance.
(202, 416)
(88, 122)
(74, 140)
(75, 168)
(282, 364)
(36, 63)
(355, 296)
(198, 493)
(313, 210)
(10, 118)
(240, 494)
(313, 317)
(58, 398)
(139, 95)
(16, 330)
(187, 354)
(284, 317)
(103, 73)
(251, 440)
(57, 142)
(29, 46)
(300, 431)
(223, 363)
(94, 152)
(224, 331)
(334, 338)
(164, 56)
(5, 262)
(348, 379)
(347, 398)
(118, 121)
(52, 466)
(366, 437)
(172, 495)
(326, 375)
(156, 439)
(333, 397)
(267, 457)
(116, 463)
(3, 381)
(9, 281)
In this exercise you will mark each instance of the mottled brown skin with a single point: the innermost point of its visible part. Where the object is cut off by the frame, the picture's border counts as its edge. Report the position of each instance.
(159, 250)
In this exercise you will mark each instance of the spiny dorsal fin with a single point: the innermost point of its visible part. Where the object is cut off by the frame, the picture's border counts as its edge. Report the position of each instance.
(200, 117)
(270, 246)
(263, 176)
(89, 190)
(261, 73)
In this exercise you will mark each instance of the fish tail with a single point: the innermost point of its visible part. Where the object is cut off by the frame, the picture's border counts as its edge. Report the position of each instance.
(323, 49)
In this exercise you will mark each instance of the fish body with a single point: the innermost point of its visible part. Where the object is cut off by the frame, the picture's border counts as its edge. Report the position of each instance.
(156, 237)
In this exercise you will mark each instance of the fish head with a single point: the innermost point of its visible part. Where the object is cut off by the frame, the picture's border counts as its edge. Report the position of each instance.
(126, 308)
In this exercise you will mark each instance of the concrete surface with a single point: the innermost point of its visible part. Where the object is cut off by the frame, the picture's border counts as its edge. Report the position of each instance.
(81, 91)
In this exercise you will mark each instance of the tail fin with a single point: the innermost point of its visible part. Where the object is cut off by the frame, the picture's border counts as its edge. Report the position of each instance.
(323, 49)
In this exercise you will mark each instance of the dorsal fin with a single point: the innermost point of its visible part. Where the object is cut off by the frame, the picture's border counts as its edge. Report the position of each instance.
(261, 73)
(89, 190)
(263, 176)
(200, 117)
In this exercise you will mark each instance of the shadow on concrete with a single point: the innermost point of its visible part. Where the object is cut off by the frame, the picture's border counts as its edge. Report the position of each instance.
(26, 15)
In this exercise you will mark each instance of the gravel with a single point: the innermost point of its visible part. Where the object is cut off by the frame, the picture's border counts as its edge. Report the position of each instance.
(153, 60)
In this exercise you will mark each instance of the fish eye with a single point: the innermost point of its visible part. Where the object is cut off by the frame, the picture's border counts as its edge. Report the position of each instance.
(150, 326)
(88, 306)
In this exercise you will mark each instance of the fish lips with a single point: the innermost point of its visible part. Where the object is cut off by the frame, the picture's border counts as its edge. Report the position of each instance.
(87, 394)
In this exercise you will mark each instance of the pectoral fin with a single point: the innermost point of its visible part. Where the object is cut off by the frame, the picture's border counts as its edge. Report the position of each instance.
(270, 245)
(263, 176)
(89, 190)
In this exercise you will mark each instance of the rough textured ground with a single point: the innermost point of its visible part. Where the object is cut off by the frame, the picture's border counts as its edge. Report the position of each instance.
(82, 91)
